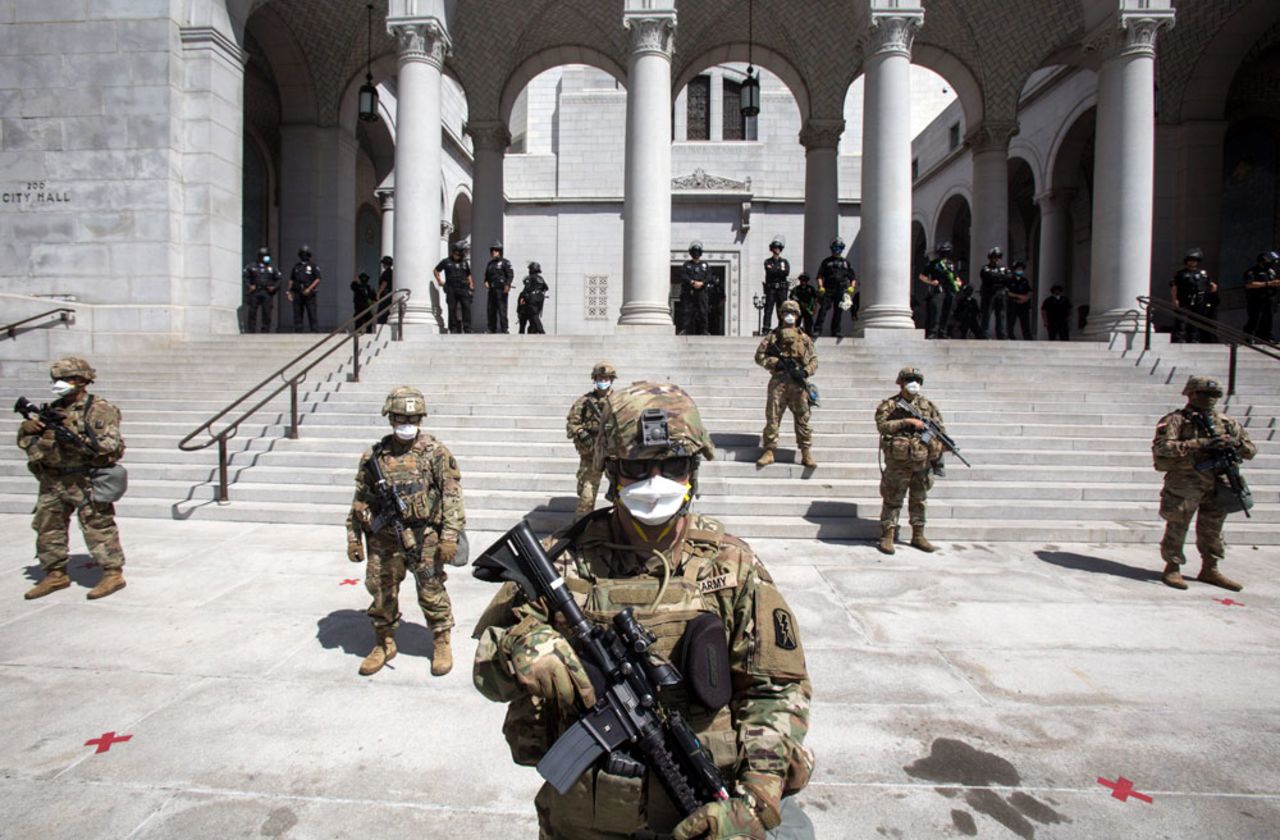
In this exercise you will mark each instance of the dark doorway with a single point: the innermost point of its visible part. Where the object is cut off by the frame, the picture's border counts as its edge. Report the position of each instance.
(716, 322)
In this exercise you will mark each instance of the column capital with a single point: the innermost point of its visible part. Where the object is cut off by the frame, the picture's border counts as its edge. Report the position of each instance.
(1054, 198)
(421, 39)
(893, 27)
(652, 24)
(821, 134)
(1132, 30)
(386, 199)
(491, 136)
(991, 136)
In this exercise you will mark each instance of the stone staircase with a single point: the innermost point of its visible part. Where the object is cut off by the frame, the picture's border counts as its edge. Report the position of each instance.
(1059, 434)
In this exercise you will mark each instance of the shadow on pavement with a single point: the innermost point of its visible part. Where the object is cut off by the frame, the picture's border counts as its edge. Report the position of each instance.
(1097, 565)
(838, 521)
(80, 568)
(351, 631)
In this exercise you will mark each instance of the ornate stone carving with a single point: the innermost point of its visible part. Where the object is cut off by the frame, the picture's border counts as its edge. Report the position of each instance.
(700, 180)
(422, 41)
(386, 200)
(821, 134)
(992, 135)
(1129, 33)
(490, 136)
(651, 34)
(892, 34)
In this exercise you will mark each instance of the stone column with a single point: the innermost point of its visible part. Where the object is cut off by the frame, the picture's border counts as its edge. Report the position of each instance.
(821, 141)
(989, 144)
(423, 43)
(681, 126)
(715, 107)
(490, 140)
(387, 203)
(1055, 232)
(646, 238)
(1124, 170)
(886, 168)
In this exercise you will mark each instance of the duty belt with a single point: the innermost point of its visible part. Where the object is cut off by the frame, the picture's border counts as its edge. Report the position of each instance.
(67, 470)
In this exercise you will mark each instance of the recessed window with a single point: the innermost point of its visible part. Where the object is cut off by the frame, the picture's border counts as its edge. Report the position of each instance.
(953, 140)
(734, 124)
(699, 109)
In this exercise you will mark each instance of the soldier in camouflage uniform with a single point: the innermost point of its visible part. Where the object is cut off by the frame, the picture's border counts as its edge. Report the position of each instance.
(581, 427)
(788, 341)
(649, 552)
(907, 460)
(63, 468)
(1183, 440)
(426, 476)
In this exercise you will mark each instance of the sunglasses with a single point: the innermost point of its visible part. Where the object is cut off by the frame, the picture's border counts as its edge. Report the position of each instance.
(401, 419)
(671, 468)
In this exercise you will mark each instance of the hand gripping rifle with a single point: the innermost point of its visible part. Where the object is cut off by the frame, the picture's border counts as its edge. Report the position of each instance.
(792, 368)
(1225, 461)
(391, 509)
(932, 431)
(52, 420)
(628, 724)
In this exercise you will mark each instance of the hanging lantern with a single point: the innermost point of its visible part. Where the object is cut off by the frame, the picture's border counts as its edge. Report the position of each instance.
(750, 94)
(369, 93)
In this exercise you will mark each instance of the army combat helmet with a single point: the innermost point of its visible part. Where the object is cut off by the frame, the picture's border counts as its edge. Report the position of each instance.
(910, 374)
(604, 370)
(1202, 384)
(72, 367)
(405, 400)
(651, 421)
(790, 306)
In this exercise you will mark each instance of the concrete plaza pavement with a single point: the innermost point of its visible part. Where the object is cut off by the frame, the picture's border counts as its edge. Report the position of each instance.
(980, 691)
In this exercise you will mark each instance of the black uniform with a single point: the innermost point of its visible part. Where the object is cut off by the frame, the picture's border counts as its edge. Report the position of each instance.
(938, 323)
(995, 298)
(261, 282)
(806, 295)
(386, 283)
(303, 275)
(1057, 317)
(1190, 291)
(776, 272)
(715, 303)
(529, 304)
(457, 293)
(1260, 302)
(1020, 313)
(697, 301)
(968, 313)
(362, 296)
(835, 275)
(497, 279)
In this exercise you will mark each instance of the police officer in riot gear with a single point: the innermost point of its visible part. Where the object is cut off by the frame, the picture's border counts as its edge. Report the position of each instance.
(940, 298)
(261, 282)
(1020, 301)
(695, 289)
(498, 275)
(386, 284)
(835, 277)
(1261, 286)
(1190, 289)
(529, 304)
(304, 280)
(806, 295)
(458, 287)
(994, 293)
(776, 272)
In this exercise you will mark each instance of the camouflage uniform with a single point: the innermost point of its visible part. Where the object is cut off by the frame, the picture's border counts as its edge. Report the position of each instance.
(63, 472)
(756, 740)
(907, 463)
(426, 476)
(784, 392)
(1180, 443)
(581, 427)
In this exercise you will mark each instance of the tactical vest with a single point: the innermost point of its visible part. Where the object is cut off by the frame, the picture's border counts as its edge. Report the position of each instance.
(84, 420)
(411, 473)
(905, 447)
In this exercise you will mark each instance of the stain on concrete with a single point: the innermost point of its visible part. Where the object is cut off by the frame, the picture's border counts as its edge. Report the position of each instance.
(964, 823)
(955, 762)
(278, 822)
(1035, 809)
(949, 793)
(895, 833)
(989, 802)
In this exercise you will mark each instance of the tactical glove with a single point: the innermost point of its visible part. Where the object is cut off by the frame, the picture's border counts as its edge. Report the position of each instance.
(718, 820)
(545, 664)
(446, 551)
(32, 427)
(355, 551)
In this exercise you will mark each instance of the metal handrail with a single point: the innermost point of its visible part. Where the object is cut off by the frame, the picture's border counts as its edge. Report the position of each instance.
(66, 315)
(398, 298)
(1229, 336)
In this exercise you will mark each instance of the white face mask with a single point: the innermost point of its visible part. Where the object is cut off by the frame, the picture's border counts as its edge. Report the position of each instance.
(654, 500)
(913, 388)
(789, 319)
(406, 431)
(61, 387)
(603, 384)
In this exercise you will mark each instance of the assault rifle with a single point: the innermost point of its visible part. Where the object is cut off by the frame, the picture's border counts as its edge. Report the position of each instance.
(52, 420)
(932, 431)
(628, 723)
(391, 509)
(791, 367)
(1224, 461)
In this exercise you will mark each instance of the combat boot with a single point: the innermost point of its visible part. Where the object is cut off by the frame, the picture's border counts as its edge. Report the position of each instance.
(766, 459)
(1172, 576)
(1209, 574)
(112, 581)
(806, 458)
(441, 654)
(383, 652)
(886, 539)
(919, 541)
(52, 583)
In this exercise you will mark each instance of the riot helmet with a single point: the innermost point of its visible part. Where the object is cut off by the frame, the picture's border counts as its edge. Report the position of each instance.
(695, 248)
(837, 245)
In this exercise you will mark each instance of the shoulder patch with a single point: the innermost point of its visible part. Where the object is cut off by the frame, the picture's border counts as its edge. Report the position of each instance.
(784, 634)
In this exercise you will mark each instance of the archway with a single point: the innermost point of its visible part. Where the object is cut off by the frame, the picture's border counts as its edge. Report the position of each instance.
(953, 223)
